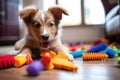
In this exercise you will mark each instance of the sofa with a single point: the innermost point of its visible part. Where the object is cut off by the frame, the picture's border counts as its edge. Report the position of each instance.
(112, 20)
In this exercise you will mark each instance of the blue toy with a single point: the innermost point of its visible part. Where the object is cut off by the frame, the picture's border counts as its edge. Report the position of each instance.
(98, 48)
(77, 53)
(104, 51)
(110, 52)
(71, 44)
(34, 68)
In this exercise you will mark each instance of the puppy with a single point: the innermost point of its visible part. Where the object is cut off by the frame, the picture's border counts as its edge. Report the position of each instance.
(43, 31)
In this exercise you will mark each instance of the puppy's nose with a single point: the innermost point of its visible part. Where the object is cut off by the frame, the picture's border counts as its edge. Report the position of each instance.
(45, 37)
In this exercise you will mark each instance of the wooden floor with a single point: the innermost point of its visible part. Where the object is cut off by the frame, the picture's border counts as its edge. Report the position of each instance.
(88, 70)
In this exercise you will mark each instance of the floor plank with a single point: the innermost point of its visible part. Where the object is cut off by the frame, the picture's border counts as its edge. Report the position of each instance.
(88, 70)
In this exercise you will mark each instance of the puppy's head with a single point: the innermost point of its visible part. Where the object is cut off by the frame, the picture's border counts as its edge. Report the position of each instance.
(42, 25)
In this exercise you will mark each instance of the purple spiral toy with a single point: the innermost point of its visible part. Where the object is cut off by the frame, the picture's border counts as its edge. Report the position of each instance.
(34, 68)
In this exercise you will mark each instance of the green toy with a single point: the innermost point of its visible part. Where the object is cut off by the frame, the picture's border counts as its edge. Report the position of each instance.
(116, 51)
(118, 60)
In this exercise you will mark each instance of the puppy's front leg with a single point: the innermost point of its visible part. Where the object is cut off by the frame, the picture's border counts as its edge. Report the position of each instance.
(63, 49)
(26, 51)
(19, 44)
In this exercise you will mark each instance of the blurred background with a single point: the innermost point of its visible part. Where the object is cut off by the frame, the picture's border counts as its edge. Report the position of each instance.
(88, 20)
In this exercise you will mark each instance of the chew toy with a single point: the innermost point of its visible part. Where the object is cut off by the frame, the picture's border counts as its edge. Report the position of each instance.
(47, 56)
(47, 62)
(98, 48)
(6, 61)
(94, 56)
(19, 61)
(64, 64)
(116, 51)
(71, 44)
(62, 55)
(110, 53)
(77, 53)
(34, 68)
(22, 59)
(119, 52)
(118, 60)
(73, 48)
(102, 40)
(51, 61)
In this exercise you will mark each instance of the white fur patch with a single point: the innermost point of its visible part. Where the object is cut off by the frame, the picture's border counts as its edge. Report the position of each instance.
(59, 32)
(43, 16)
(22, 55)
(45, 31)
(43, 19)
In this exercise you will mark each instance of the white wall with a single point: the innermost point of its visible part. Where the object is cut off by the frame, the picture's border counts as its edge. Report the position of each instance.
(37, 3)
(83, 33)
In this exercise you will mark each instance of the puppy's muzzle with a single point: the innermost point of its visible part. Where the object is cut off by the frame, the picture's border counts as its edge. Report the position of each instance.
(45, 37)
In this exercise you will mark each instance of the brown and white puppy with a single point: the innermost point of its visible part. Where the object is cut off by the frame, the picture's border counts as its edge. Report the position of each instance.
(43, 31)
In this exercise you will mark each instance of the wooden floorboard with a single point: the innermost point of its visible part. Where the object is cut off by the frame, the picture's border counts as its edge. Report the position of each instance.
(88, 70)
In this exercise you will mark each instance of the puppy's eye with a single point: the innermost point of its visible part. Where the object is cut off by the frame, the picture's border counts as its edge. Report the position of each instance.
(37, 25)
(51, 24)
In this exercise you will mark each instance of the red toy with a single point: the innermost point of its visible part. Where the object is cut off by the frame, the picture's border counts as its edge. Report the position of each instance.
(102, 40)
(6, 61)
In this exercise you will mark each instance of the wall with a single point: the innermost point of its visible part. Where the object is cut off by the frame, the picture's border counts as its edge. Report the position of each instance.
(38, 3)
(83, 33)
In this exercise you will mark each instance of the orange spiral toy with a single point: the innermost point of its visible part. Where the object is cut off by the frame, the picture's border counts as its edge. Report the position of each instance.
(94, 56)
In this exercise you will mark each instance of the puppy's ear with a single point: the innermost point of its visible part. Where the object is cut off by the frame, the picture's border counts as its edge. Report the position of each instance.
(27, 13)
(57, 12)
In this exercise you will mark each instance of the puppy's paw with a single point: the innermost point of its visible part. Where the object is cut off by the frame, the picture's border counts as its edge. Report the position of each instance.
(19, 44)
(13, 52)
(70, 57)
